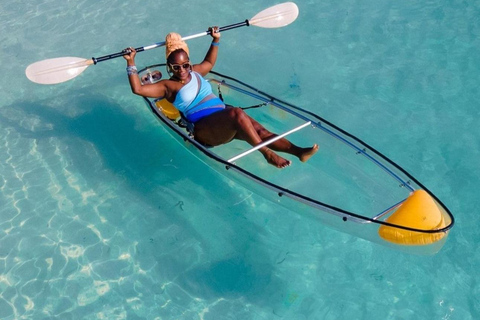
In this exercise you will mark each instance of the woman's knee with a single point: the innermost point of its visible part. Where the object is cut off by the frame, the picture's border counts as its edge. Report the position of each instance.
(235, 112)
(263, 133)
(238, 115)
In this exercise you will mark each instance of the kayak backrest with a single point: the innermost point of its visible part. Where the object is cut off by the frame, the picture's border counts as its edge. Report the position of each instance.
(167, 108)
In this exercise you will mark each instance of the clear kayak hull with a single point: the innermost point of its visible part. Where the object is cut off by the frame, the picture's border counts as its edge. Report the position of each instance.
(347, 185)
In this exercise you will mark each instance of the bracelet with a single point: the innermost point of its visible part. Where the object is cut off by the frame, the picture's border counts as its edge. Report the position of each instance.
(132, 70)
(215, 44)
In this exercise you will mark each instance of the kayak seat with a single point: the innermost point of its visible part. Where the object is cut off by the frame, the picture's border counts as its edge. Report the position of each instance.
(172, 113)
(167, 108)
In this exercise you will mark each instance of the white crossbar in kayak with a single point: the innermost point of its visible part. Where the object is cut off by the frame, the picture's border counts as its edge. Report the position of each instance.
(266, 143)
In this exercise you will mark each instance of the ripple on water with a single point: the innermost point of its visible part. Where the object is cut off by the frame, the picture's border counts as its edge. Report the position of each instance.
(93, 293)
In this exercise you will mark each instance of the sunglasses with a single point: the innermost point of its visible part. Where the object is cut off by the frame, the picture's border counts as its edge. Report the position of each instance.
(176, 67)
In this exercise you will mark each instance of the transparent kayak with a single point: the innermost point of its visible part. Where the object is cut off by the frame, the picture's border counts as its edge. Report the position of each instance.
(347, 185)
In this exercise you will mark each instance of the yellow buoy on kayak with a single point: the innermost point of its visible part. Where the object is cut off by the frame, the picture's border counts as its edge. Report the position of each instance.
(419, 211)
(168, 109)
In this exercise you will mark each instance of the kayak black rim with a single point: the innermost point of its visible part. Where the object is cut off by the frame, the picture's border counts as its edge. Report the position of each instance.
(291, 194)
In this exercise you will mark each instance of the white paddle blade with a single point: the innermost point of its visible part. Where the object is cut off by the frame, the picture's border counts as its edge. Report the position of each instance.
(277, 16)
(52, 71)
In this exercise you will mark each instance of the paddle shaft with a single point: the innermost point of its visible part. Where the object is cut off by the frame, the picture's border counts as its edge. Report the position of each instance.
(160, 44)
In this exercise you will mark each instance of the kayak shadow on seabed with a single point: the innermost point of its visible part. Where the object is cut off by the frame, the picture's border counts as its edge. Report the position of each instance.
(142, 163)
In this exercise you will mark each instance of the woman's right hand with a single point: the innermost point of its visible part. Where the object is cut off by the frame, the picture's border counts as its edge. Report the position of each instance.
(129, 54)
(214, 32)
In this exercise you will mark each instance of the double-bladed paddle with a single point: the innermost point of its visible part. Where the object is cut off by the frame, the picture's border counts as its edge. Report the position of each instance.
(58, 70)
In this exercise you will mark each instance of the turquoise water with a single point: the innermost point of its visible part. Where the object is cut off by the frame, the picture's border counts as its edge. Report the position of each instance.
(103, 216)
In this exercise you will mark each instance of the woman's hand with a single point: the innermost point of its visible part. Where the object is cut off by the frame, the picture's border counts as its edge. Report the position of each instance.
(214, 32)
(130, 55)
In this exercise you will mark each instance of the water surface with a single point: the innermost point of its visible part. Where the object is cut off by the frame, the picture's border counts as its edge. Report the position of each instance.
(103, 216)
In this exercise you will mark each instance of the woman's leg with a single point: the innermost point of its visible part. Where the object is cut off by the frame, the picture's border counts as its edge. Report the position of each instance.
(284, 145)
(233, 123)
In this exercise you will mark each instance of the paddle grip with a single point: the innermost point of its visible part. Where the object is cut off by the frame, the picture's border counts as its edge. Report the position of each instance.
(233, 26)
(115, 55)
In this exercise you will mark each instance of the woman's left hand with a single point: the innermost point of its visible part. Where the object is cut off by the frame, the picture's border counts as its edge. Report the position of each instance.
(129, 54)
(214, 32)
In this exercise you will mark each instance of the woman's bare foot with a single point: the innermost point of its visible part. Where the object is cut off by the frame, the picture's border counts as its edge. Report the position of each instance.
(304, 156)
(275, 159)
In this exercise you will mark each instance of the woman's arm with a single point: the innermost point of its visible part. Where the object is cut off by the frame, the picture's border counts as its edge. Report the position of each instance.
(211, 57)
(156, 90)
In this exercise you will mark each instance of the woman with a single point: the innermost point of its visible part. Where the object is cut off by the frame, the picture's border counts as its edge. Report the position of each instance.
(191, 94)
